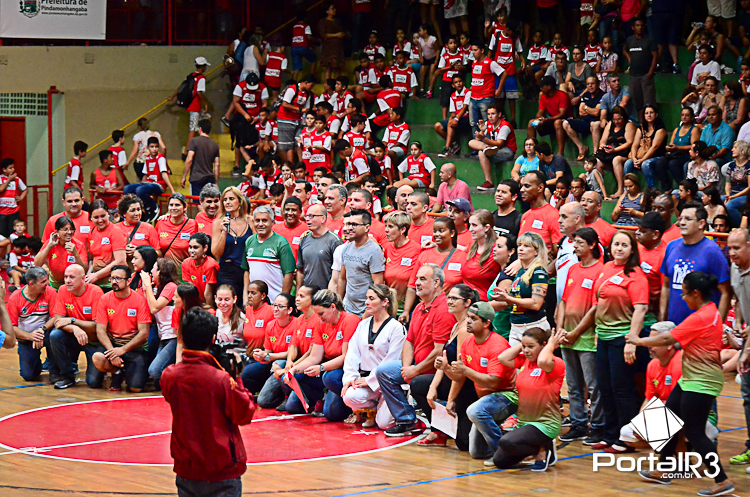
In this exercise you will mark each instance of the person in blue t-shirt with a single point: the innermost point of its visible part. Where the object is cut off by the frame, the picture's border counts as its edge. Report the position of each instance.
(692, 252)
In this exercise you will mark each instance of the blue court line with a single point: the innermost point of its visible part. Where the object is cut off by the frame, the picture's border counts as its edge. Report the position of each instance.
(730, 397)
(25, 386)
(733, 429)
(449, 478)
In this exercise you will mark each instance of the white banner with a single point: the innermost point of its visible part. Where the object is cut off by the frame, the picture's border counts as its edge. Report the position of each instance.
(68, 19)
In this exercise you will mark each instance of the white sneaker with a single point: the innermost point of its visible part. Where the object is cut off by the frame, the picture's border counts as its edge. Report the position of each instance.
(491, 464)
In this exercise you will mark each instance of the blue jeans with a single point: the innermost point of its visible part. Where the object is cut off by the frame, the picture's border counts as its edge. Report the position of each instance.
(390, 381)
(165, 355)
(478, 110)
(255, 375)
(606, 29)
(153, 344)
(65, 351)
(312, 387)
(30, 359)
(135, 369)
(734, 208)
(334, 408)
(272, 394)
(580, 374)
(619, 396)
(648, 167)
(487, 414)
(195, 488)
(298, 53)
(146, 191)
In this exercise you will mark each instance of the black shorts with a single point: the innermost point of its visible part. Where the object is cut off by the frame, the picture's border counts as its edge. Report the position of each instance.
(274, 88)
(243, 132)
(548, 15)
(428, 62)
(446, 90)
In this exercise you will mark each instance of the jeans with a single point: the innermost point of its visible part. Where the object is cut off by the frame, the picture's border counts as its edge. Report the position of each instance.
(30, 359)
(65, 351)
(580, 375)
(135, 369)
(649, 167)
(734, 208)
(195, 488)
(519, 444)
(487, 414)
(255, 375)
(478, 110)
(334, 408)
(674, 167)
(153, 344)
(272, 394)
(606, 29)
(618, 394)
(146, 191)
(390, 381)
(165, 355)
(745, 389)
(312, 387)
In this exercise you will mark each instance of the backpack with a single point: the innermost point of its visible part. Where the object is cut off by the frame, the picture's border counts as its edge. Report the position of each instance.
(185, 92)
(277, 104)
(374, 165)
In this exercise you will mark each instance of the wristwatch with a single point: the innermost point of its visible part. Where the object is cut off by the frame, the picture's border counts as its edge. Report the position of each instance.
(44, 328)
(72, 320)
(268, 357)
(322, 369)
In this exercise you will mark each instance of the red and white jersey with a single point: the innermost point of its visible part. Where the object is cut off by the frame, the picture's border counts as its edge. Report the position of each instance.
(306, 137)
(373, 76)
(342, 101)
(278, 213)
(539, 54)
(270, 179)
(320, 158)
(333, 123)
(745, 83)
(496, 28)
(300, 32)
(447, 59)
(371, 50)
(414, 52)
(502, 131)
(300, 100)
(401, 47)
(118, 153)
(274, 131)
(389, 99)
(346, 124)
(458, 100)
(363, 75)
(327, 97)
(276, 63)
(8, 204)
(404, 80)
(251, 100)
(386, 164)
(153, 168)
(505, 55)
(264, 130)
(75, 173)
(356, 165)
(553, 50)
(418, 168)
(356, 140)
(587, 8)
(108, 182)
(397, 136)
(592, 54)
(253, 186)
(466, 54)
(483, 76)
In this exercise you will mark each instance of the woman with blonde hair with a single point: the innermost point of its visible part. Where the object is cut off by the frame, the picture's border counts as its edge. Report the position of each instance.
(737, 174)
(527, 292)
(228, 240)
(481, 269)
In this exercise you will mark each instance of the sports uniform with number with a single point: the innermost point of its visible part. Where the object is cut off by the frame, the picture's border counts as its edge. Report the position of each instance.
(505, 55)
(447, 59)
(276, 63)
(418, 169)
(396, 138)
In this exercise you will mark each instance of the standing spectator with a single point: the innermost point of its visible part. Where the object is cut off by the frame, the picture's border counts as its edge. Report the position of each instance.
(541, 218)
(642, 54)
(210, 199)
(315, 252)
(200, 269)
(651, 248)
(199, 385)
(267, 256)
(333, 35)
(202, 160)
(198, 108)
(484, 85)
(297, 98)
(361, 18)
(507, 218)
(292, 229)
(74, 176)
(362, 262)
(665, 29)
(301, 38)
(718, 134)
(12, 191)
(592, 205)
(228, 240)
(739, 253)
(694, 252)
(480, 268)
(335, 202)
(664, 205)
(556, 105)
(450, 187)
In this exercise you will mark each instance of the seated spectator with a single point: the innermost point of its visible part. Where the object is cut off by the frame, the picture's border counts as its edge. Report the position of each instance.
(714, 206)
(737, 174)
(417, 170)
(361, 386)
(671, 165)
(692, 99)
(553, 166)
(630, 207)
(579, 71)
(592, 178)
(615, 145)
(458, 120)
(539, 59)
(107, 178)
(578, 185)
(588, 111)
(735, 106)
(709, 96)
(687, 193)
(155, 180)
(718, 134)
(618, 95)
(388, 98)
(558, 70)
(526, 162)
(649, 145)
(450, 187)
(556, 105)
(701, 168)
(706, 67)
(397, 135)
(562, 194)
(495, 141)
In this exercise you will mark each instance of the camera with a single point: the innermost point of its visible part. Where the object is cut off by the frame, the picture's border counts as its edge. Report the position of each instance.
(231, 356)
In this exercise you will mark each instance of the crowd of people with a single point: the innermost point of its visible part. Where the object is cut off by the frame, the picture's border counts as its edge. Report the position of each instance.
(337, 283)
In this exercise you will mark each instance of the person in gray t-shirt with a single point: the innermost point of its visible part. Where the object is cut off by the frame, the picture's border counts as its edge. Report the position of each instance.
(315, 253)
(362, 262)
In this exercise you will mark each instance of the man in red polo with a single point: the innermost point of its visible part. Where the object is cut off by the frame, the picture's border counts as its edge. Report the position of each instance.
(429, 331)
(73, 205)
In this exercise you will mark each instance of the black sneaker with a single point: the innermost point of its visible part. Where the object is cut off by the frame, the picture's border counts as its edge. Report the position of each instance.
(595, 437)
(574, 434)
(446, 152)
(566, 422)
(225, 121)
(676, 69)
(64, 383)
(281, 407)
(236, 172)
(401, 430)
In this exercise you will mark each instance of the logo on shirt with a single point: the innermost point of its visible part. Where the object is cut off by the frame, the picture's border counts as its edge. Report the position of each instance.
(105, 241)
(288, 338)
(269, 252)
(87, 310)
(483, 362)
(131, 313)
(70, 307)
(668, 379)
(110, 312)
(308, 333)
(85, 229)
(139, 236)
(272, 339)
(340, 335)
(258, 323)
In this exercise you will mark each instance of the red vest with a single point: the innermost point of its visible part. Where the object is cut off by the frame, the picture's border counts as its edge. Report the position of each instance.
(591, 54)
(108, 182)
(299, 38)
(510, 141)
(371, 50)
(8, 204)
(151, 173)
(290, 115)
(115, 149)
(535, 53)
(401, 80)
(505, 52)
(482, 80)
(416, 168)
(357, 140)
(319, 157)
(357, 154)
(273, 69)
(251, 99)
(450, 59)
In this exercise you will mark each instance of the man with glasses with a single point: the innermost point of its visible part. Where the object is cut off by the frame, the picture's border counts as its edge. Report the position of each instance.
(362, 262)
(694, 252)
(315, 254)
(268, 256)
(210, 198)
(122, 322)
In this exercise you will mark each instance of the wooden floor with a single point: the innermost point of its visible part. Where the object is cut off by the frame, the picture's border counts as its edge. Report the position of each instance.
(404, 471)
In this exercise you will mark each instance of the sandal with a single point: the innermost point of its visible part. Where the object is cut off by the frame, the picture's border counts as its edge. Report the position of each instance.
(583, 154)
(352, 419)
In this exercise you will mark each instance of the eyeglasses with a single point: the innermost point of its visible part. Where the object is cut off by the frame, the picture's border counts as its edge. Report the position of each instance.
(310, 216)
(354, 225)
(117, 278)
(277, 306)
(453, 299)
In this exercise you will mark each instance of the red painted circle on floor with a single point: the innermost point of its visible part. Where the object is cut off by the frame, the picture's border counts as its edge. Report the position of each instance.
(136, 431)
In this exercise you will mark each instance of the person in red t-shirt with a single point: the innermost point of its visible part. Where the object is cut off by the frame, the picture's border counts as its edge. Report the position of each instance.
(480, 269)
(541, 218)
(72, 200)
(429, 330)
(556, 104)
(61, 251)
(75, 328)
(258, 314)
(107, 178)
(198, 108)
(200, 269)
(401, 253)
(106, 246)
(122, 322)
(176, 230)
(210, 197)
(652, 248)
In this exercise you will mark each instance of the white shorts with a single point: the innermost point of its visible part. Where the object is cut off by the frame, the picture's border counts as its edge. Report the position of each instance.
(516, 330)
(722, 8)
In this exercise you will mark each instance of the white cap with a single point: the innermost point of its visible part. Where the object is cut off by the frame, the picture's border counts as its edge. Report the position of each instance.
(201, 61)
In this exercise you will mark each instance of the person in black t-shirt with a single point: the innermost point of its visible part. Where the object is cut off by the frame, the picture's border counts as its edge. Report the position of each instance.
(507, 218)
(642, 53)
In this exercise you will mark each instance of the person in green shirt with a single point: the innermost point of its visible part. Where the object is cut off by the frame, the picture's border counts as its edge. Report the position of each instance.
(503, 251)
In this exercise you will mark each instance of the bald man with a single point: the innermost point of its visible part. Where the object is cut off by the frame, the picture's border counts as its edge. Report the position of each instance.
(402, 197)
(739, 254)
(316, 248)
(450, 188)
(75, 329)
